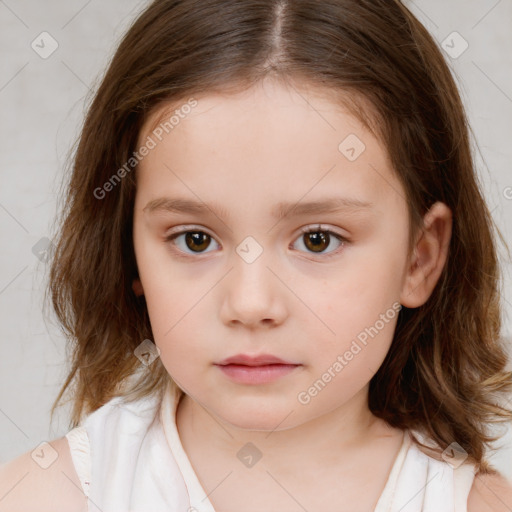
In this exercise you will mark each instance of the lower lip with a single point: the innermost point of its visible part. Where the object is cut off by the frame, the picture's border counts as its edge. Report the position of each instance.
(256, 374)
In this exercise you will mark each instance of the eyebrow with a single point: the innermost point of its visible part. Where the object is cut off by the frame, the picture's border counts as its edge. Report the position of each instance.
(327, 205)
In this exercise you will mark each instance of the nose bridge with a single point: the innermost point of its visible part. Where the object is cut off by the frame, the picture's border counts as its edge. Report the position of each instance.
(250, 262)
(252, 292)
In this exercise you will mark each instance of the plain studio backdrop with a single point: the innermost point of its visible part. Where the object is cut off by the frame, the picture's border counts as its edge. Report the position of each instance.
(42, 92)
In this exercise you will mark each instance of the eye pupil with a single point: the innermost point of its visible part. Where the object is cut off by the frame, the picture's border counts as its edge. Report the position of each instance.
(317, 238)
(195, 237)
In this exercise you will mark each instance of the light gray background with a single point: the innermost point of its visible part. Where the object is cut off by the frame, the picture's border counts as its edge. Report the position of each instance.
(41, 105)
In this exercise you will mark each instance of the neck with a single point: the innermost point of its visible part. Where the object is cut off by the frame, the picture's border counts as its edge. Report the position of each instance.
(342, 430)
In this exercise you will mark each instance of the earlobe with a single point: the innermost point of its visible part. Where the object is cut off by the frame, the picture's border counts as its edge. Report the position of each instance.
(429, 256)
(137, 287)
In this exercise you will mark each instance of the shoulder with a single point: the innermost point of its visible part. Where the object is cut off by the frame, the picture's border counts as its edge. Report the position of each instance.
(490, 493)
(52, 485)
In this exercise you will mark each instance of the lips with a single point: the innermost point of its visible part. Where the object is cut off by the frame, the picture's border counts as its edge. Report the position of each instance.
(259, 360)
(255, 370)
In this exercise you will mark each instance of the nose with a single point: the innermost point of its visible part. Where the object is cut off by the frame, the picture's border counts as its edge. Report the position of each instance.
(253, 295)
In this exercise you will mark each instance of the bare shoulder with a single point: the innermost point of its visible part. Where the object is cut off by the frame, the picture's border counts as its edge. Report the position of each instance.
(42, 480)
(490, 493)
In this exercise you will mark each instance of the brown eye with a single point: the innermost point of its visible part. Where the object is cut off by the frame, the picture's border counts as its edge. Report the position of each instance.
(318, 240)
(190, 242)
(197, 240)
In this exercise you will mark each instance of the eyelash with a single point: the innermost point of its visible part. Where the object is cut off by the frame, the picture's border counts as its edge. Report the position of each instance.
(306, 230)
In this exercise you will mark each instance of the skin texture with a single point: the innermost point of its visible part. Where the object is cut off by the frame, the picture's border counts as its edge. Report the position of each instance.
(270, 144)
(256, 149)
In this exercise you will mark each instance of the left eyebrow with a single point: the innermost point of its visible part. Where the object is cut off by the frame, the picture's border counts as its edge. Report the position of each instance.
(282, 209)
(327, 205)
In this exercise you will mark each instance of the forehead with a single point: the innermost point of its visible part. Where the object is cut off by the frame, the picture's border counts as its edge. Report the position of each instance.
(269, 139)
(267, 92)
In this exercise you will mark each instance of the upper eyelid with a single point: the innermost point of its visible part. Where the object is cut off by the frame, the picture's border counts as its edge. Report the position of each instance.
(310, 228)
(307, 228)
(319, 227)
(186, 229)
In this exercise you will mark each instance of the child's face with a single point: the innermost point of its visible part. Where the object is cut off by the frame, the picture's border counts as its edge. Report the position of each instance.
(327, 306)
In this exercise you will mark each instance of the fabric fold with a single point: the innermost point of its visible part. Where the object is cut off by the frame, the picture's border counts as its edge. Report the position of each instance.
(80, 449)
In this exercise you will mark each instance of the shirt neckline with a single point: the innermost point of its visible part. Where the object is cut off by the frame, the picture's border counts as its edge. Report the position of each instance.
(197, 495)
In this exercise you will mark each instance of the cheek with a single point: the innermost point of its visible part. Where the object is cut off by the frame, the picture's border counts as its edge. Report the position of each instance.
(171, 298)
(345, 360)
(355, 310)
(361, 332)
(184, 342)
(357, 294)
(166, 289)
(175, 310)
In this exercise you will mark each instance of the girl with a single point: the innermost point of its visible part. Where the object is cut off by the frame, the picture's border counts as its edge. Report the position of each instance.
(278, 274)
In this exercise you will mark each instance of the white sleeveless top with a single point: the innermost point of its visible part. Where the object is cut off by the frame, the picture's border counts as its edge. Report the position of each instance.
(129, 458)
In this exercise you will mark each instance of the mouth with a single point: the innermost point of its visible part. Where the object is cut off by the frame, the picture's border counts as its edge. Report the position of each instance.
(245, 369)
(258, 360)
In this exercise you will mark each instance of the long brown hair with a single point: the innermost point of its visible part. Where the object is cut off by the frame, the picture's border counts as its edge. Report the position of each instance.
(445, 370)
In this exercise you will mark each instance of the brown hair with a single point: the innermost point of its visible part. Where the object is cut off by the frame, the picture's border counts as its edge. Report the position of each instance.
(445, 369)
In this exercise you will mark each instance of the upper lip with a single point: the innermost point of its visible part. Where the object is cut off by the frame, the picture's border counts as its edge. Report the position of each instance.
(258, 360)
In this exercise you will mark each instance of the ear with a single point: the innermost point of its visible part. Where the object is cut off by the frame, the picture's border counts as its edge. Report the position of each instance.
(429, 256)
(137, 287)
